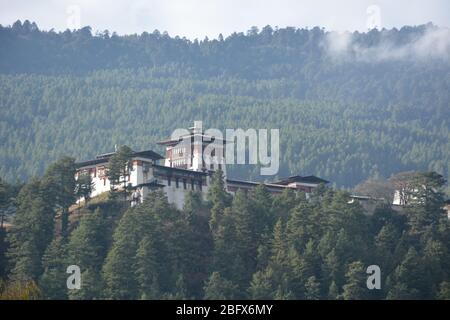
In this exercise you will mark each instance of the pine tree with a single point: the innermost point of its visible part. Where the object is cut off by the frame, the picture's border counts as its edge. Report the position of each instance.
(334, 268)
(180, 288)
(333, 291)
(196, 243)
(312, 289)
(219, 288)
(261, 206)
(87, 249)
(385, 243)
(298, 227)
(279, 242)
(58, 187)
(444, 291)
(435, 258)
(119, 167)
(410, 279)
(261, 287)
(147, 269)
(31, 233)
(4, 203)
(283, 203)
(193, 203)
(355, 288)
(224, 242)
(53, 280)
(218, 199)
(118, 269)
(426, 201)
(246, 238)
(84, 187)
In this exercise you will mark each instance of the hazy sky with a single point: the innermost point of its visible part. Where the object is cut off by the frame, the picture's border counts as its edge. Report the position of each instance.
(200, 18)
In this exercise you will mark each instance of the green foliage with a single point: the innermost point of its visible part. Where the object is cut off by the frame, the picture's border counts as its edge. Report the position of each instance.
(312, 289)
(219, 288)
(87, 249)
(59, 188)
(84, 187)
(19, 291)
(53, 280)
(31, 232)
(370, 118)
(147, 270)
(119, 168)
(262, 246)
(355, 288)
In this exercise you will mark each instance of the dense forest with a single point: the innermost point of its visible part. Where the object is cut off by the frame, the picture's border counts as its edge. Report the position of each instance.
(253, 245)
(348, 107)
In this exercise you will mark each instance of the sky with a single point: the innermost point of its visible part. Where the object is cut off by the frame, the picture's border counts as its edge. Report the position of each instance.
(199, 18)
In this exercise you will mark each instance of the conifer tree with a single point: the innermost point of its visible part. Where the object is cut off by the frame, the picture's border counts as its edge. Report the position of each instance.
(58, 187)
(119, 167)
(147, 269)
(31, 232)
(118, 270)
(87, 249)
(246, 237)
(219, 288)
(261, 287)
(444, 291)
(355, 288)
(218, 199)
(53, 280)
(312, 289)
(333, 291)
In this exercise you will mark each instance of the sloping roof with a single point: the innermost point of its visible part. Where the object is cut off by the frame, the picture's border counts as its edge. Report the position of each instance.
(306, 179)
(150, 154)
(180, 170)
(103, 158)
(90, 162)
(205, 138)
(252, 183)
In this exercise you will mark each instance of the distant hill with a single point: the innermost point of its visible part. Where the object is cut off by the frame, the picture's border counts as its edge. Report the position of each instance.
(348, 106)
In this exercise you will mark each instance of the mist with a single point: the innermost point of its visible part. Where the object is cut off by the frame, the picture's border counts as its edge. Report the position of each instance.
(432, 43)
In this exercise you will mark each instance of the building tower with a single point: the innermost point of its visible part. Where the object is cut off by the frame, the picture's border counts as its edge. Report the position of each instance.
(195, 150)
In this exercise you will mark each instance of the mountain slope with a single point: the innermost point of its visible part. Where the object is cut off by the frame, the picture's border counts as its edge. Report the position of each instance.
(347, 107)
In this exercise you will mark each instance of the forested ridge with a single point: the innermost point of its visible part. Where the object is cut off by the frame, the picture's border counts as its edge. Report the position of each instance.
(254, 245)
(343, 117)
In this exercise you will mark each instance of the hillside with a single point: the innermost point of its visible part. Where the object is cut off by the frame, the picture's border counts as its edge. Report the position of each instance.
(348, 106)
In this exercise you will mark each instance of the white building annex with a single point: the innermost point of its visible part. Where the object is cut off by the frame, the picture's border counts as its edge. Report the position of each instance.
(183, 169)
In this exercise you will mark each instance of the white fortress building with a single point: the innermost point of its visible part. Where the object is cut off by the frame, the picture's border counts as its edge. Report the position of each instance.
(184, 168)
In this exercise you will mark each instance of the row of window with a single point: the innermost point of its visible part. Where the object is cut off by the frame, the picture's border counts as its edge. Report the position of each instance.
(179, 150)
(194, 184)
(178, 163)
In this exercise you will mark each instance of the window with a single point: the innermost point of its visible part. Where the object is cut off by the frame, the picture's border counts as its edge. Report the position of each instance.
(184, 184)
(200, 185)
(177, 183)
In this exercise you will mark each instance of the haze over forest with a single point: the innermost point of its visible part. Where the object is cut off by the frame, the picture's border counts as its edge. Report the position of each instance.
(348, 105)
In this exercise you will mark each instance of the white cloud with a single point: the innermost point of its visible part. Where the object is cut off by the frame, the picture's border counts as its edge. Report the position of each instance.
(433, 43)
